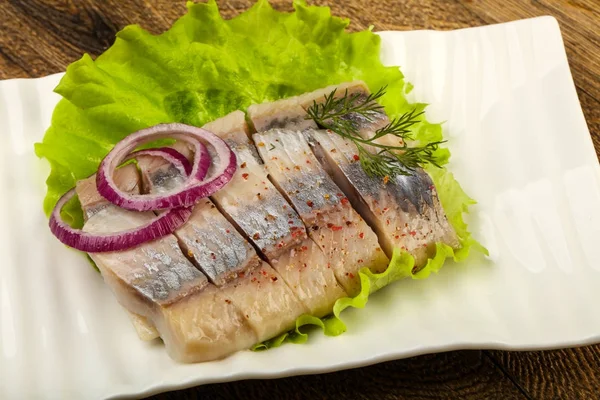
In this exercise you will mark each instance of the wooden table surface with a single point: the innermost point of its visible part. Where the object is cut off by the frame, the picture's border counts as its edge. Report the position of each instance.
(40, 37)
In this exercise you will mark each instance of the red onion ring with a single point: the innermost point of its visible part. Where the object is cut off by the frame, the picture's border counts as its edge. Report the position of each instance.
(193, 189)
(162, 225)
(168, 154)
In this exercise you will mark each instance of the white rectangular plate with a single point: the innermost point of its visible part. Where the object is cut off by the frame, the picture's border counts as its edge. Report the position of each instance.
(520, 147)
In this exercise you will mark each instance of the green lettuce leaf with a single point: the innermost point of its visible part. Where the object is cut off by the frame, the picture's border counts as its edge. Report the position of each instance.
(205, 67)
(201, 69)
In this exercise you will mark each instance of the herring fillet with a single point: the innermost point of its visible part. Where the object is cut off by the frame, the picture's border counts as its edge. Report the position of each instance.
(88, 194)
(155, 281)
(348, 242)
(231, 263)
(405, 213)
(266, 219)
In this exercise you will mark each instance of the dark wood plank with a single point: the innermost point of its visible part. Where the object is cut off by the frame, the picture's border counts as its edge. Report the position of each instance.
(453, 375)
(557, 374)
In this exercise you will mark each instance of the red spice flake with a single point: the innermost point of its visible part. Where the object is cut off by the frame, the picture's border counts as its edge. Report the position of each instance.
(241, 274)
(431, 187)
(227, 301)
(253, 279)
(339, 195)
(348, 223)
(387, 221)
(328, 265)
(334, 227)
(309, 203)
(360, 261)
(243, 165)
(263, 272)
(287, 168)
(361, 235)
(308, 161)
(386, 209)
(412, 233)
(404, 234)
(425, 245)
(256, 236)
(285, 206)
(397, 237)
(304, 248)
(280, 245)
(304, 265)
(386, 179)
(329, 131)
(291, 222)
(350, 275)
(274, 279)
(356, 157)
(260, 144)
(245, 176)
(344, 201)
(227, 230)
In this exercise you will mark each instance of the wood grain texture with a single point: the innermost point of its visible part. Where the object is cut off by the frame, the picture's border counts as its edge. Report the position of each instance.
(453, 375)
(40, 37)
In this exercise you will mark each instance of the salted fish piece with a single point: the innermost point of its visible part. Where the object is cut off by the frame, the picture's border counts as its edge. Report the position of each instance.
(145, 330)
(405, 212)
(156, 281)
(348, 242)
(214, 246)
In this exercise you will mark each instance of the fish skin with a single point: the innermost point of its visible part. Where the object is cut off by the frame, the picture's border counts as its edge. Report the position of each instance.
(214, 246)
(405, 213)
(154, 279)
(286, 113)
(330, 220)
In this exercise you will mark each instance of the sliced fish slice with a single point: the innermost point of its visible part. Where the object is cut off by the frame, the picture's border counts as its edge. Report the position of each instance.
(290, 113)
(405, 213)
(261, 213)
(286, 113)
(94, 202)
(231, 263)
(157, 282)
(347, 241)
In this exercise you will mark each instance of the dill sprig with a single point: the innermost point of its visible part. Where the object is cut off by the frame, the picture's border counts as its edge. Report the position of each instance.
(341, 115)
